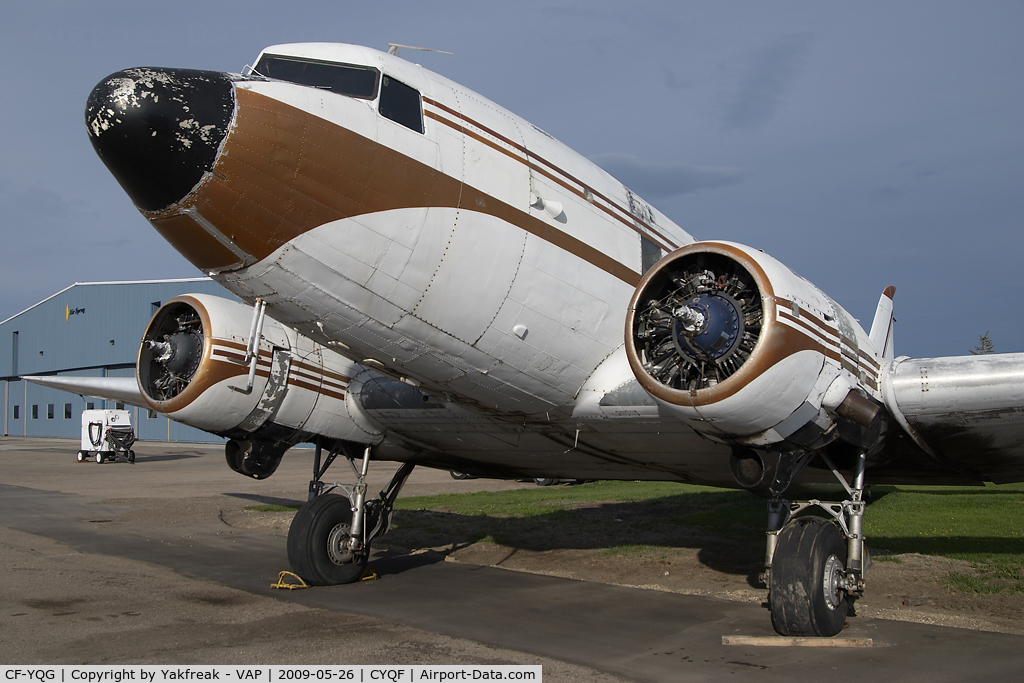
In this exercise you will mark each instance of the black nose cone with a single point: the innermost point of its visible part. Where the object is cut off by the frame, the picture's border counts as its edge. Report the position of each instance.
(159, 130)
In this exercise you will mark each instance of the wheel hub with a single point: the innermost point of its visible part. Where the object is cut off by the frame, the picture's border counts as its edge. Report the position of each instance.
(834, 578)
(338, 545)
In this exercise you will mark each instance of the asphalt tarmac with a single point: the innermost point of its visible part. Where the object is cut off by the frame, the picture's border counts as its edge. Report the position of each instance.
(119, 563)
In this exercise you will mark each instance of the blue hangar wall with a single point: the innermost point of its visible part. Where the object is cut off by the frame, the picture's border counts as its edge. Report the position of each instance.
(90, 329)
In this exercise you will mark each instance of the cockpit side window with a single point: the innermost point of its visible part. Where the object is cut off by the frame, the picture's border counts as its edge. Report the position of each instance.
(344, 79)
(401, 104)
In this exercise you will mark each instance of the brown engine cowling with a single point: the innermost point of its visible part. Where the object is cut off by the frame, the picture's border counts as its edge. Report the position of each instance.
(746, 352)
(193, 367)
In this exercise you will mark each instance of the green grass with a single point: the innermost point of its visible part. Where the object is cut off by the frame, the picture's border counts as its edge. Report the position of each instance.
(531, 502)
(981, 525)
(649, 519)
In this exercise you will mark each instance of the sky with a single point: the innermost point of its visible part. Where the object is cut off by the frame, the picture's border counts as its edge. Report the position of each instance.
(863, 144)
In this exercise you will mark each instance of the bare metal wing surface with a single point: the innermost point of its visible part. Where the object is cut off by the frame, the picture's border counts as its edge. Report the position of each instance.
(120, 389)
(428, 278)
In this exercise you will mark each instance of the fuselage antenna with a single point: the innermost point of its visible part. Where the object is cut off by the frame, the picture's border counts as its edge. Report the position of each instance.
(393, 49)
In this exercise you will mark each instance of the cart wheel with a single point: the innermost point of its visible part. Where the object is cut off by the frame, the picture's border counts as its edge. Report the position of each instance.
(81, 456)
(99, 457)
(131, 457)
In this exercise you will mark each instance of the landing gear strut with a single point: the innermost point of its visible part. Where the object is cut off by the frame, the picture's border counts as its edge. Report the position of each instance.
(329, 539)
(814, 567)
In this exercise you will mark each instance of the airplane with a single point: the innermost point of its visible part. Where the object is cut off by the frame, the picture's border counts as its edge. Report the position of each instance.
(429, 279)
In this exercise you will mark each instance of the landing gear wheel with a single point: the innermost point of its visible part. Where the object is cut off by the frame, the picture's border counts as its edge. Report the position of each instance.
(99, 457)
(81, 456)
(807, 569)
(316, 543)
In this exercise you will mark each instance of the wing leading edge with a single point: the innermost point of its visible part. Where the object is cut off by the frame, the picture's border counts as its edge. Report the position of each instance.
(120, 389)
(964, 411)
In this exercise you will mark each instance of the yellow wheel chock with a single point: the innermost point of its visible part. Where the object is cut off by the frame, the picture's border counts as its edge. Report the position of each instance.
(290, 586)
(368, 575)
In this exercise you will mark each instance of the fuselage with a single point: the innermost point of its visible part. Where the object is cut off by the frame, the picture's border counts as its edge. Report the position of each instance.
(428, 246)
(421, 230)
(407, 232)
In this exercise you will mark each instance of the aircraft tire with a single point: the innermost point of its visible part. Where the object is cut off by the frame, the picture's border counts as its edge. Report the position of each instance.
(810, 555)
(310, 536)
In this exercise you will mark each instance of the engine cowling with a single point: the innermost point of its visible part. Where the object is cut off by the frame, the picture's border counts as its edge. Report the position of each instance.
(192, 366)
(747, 352)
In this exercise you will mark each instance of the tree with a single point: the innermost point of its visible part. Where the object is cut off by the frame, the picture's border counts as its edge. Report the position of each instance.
(984, 346)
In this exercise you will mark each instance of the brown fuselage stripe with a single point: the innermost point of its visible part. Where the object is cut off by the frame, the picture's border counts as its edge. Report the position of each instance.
(292, 381)
(864, 360)
(296, 378)
(804, 313)
(845, 355)
(265, 360)
(527, 153)
(871, 361)
(814, 335)
(575, 191)
(612, 209)
(283, 172)
(817, 332)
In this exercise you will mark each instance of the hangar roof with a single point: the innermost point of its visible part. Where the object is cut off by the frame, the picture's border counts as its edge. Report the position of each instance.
(88, 325)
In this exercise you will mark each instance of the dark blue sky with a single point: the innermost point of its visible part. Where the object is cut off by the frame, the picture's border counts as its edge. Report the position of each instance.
(863, 144)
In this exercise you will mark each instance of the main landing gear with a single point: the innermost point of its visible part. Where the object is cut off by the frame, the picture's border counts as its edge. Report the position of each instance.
(329, 539)
(814, 566)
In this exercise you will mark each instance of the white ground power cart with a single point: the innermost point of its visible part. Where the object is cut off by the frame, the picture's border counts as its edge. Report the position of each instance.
(107, 435)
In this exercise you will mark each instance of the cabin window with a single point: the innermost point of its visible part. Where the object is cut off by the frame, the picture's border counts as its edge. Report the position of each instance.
(650, 253)
(401, 104)
(344, 79)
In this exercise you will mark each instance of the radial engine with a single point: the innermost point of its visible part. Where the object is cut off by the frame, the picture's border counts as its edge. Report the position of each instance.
(748, 353)
(230, 369)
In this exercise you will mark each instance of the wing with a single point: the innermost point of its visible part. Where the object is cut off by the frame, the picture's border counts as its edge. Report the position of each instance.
(965, 412)
(120, 389)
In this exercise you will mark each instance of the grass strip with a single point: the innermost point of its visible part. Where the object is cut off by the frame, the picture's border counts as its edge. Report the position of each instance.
(982, 525)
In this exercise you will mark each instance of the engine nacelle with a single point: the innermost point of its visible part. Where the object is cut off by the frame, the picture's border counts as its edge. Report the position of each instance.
(193, 367)
(747, 352)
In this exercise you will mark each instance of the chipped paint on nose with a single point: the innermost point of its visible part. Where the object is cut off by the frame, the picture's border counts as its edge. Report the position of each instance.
(159, 130)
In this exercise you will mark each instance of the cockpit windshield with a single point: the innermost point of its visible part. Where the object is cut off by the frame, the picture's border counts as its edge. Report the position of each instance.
(344, 79)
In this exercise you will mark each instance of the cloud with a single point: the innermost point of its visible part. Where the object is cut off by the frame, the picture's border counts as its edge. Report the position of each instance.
(769, 72)
(655, 180)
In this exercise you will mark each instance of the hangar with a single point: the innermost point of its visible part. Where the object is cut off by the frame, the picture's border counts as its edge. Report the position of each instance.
(90, 329)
